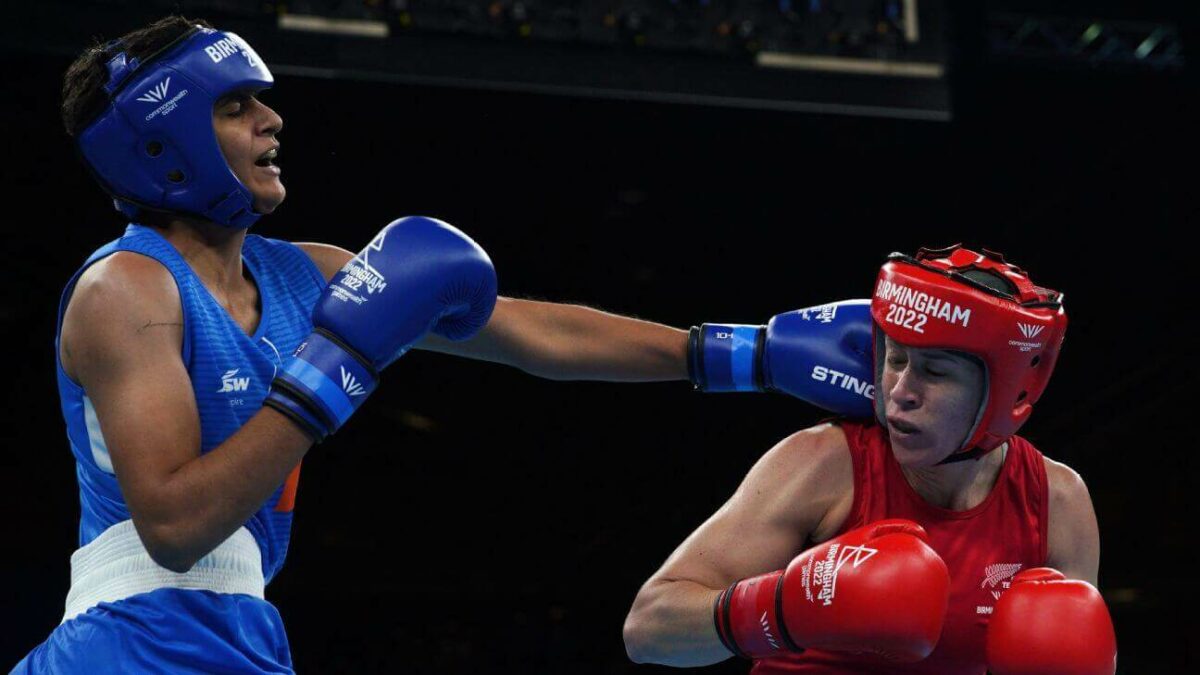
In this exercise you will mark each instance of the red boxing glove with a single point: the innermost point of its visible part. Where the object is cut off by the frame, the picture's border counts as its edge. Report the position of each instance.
(1045, 624)
(877, 589)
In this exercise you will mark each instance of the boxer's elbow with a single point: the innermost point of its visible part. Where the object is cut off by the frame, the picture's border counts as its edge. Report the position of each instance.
(670, 624)
(174, 530)
(639, 646)
(644, 632)
(176, 563)
(168, 546)
(168, 549)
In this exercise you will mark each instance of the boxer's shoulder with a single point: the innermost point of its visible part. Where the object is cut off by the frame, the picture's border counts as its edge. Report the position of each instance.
(327, 257)
(1061, 477)
(135, 283)
(124, 271)
(814, 469)
(820, 450)
(831, 483)
(1066, 487)
(1073, 536)
(121, 296)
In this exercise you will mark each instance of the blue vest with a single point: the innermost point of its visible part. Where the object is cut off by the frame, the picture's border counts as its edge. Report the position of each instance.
(230, 373)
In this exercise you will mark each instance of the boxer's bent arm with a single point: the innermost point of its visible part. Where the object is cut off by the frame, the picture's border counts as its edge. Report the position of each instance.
(556, 341)
(779, 505)
(1073, 546)
(122, 332)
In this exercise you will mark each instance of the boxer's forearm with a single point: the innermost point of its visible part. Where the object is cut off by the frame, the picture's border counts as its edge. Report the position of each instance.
(671, 624)
(572, 342)
(207, 499)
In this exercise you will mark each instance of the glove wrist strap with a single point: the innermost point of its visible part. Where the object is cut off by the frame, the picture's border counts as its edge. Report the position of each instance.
(327, 378)
(750, 617)
(725, 358)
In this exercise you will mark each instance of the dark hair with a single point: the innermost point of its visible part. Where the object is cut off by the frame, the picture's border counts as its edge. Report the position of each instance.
(83, 95)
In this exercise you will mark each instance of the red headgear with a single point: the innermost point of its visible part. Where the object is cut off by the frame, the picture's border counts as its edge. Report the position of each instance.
(948, 299)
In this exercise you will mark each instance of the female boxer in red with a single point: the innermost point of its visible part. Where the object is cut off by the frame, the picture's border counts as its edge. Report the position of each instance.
(932, 523)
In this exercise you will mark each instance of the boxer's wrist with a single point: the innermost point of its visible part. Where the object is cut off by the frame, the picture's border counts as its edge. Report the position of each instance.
(323, 383)
(726, 357)
(721, 621)
(749, 620)
(294, 408)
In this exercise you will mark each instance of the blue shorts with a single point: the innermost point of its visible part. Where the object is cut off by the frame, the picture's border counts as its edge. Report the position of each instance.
(167, 631)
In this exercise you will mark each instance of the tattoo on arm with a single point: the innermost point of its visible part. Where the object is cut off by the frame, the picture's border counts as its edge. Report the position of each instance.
(153, 324)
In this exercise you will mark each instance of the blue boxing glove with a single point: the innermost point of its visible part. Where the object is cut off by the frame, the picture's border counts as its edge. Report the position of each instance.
(822, 355)
(417, 275)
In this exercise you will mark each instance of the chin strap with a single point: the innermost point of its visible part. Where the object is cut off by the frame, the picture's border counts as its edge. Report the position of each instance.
(973, 453)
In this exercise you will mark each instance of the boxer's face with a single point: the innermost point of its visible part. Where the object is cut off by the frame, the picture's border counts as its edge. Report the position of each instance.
(246, 128)
(931, 398)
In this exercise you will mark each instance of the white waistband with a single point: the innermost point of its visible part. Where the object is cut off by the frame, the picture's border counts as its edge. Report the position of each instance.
(115, 565)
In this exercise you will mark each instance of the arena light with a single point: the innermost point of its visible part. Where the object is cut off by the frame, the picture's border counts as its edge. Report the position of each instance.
(323, 24)
(855, 66)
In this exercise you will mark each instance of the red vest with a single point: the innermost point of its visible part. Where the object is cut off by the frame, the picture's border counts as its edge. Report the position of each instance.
(983, 548)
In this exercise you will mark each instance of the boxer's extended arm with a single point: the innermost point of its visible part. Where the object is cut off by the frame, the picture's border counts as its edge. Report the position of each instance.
(790, 495)
(572, 342)
(121, 341)
(1073, 545)
(556, 341)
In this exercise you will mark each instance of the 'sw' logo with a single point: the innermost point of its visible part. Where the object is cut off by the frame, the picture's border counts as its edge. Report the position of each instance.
(350, 384)
(1029, 330)
(157, 94)
(229, 382)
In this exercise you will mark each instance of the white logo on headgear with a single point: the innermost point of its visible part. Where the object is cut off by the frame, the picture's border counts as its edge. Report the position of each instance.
(157, 94)
(1030, 330)
(909, 304)
(226, 47)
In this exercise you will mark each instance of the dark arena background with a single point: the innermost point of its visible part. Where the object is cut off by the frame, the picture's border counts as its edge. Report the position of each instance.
(681, 161)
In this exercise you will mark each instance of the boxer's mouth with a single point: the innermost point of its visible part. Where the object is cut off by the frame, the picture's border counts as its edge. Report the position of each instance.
(268, 157)
(902, 427)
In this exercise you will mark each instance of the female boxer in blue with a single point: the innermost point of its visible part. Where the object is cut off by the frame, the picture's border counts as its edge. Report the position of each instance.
(197, 363)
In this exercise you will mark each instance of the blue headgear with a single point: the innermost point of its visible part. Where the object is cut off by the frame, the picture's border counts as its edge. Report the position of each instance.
(154, 146)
